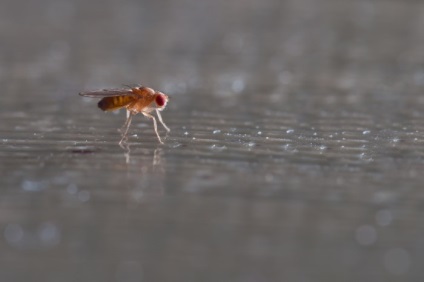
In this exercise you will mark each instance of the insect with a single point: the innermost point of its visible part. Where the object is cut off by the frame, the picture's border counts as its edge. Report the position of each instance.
(139, 99)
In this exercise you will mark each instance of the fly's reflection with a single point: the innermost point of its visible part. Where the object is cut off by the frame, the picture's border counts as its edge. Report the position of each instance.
(145, 176)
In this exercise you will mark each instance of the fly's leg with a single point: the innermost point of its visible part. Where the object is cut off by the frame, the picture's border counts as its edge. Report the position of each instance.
(126, 127)
(161, 121)
(154, 125)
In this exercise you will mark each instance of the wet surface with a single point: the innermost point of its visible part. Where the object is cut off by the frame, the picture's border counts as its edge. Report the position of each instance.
(296, 147)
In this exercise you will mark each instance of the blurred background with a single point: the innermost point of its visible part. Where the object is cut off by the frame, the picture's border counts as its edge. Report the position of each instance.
(295, 153)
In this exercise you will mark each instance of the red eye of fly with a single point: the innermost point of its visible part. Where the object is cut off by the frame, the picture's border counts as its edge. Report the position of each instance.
(160, 100)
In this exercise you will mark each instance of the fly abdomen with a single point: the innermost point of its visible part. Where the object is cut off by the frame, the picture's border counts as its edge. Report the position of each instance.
(114, 103)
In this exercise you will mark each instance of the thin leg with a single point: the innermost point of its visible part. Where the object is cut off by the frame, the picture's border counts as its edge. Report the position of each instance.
(161, 121)
(126, 126)
(154, 125)
(122, 129)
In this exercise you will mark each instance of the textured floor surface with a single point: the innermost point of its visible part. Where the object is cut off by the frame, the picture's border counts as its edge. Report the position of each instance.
(296, 149)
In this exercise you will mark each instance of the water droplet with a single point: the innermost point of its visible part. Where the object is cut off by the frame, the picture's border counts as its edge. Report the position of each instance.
(289, 131)
(251, 144)
(259, 132)
(175, 145)
(365, 132)
(289, 148)
(365, 157)
(216, 131)
(218, 147)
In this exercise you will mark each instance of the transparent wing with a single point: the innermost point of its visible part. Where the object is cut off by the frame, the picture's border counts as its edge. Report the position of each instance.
(108, 93)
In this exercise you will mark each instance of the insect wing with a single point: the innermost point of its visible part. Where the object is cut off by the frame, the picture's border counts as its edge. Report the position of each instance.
(108, 93)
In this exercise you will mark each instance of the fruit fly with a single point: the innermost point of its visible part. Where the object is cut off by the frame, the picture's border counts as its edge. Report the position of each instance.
(136, 100)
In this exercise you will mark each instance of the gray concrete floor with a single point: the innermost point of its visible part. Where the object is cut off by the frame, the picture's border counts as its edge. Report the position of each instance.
(296, 149)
